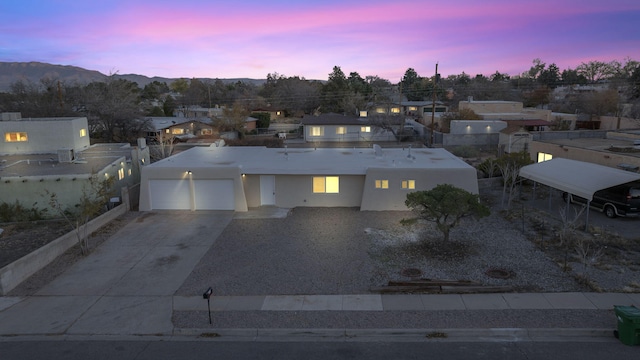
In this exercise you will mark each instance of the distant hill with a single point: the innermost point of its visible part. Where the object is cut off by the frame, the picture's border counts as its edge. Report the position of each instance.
(11, 72)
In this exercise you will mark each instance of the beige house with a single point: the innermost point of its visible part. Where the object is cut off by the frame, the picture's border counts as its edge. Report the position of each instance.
(617, 150)
(239, 178)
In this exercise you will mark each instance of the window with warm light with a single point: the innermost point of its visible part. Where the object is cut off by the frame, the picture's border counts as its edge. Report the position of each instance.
(167, 131)
(395, 110)
(177, 131)
(413, 108)
(317, 131)
(363, 113)
(120, 174)
(408, 184)
(544, 157)
(365, 129)
(341, 130)
(326, 184)
(83, 132)
(380, 110)
(206, 132)
(15, 136)
(382, 184)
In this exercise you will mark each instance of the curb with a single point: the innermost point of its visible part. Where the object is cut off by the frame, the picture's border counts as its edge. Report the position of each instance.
(466, 335)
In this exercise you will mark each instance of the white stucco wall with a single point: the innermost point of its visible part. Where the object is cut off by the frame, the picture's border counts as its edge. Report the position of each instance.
(45, 135)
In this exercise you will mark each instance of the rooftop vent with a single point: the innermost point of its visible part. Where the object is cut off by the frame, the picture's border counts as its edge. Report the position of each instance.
(377, 149)
(65, 155)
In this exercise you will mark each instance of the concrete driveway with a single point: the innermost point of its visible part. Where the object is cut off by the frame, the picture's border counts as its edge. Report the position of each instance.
(125, 286)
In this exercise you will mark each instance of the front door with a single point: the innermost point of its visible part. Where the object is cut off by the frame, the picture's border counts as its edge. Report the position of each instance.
(267, 189)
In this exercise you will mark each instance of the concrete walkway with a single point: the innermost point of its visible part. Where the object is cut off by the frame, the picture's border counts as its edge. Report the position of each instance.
(127, 286)
(422, 302)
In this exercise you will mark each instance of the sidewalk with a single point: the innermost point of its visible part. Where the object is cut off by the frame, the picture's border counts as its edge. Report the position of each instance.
(422, 302)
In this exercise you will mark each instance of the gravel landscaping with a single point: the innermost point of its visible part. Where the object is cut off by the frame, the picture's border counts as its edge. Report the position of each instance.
(346, 251)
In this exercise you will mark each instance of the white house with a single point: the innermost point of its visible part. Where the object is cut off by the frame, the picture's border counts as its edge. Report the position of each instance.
(239, 178)
(54, 155)
(341, 128)
(42, 135)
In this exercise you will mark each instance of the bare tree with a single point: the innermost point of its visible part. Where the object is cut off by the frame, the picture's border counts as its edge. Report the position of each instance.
(94, 197)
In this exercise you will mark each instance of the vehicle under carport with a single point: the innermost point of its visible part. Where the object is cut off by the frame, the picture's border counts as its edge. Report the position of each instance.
(576, 177)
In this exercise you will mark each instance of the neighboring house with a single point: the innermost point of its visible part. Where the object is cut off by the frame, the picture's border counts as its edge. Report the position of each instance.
(514, 138)
(345, 128)
(181, 128)
(239, 178)
(275, 114)
(617, 149)
(55, 156)
(511, 111)
(42, 135)
(197, 112)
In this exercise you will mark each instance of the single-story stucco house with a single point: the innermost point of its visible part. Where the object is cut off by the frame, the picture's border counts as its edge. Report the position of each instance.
(239, 178)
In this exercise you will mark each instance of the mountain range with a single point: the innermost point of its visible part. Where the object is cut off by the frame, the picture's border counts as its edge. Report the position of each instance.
(11, 72)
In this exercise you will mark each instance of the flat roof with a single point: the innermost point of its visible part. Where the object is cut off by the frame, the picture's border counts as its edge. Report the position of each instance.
(94, 158)
(337, 161)
(595, 144)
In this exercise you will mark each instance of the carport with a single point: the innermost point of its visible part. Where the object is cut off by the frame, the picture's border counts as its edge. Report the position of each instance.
(576, 177)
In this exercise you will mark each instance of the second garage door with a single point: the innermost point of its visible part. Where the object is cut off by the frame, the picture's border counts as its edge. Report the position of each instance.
(214, 194)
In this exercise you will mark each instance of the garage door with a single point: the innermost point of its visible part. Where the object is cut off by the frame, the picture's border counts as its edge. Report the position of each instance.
(214, 194)
(169, 194)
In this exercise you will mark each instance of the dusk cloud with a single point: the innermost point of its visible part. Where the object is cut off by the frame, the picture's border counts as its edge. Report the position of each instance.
(227, 39)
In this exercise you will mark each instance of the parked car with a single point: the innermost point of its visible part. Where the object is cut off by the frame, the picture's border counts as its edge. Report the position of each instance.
(621, 200)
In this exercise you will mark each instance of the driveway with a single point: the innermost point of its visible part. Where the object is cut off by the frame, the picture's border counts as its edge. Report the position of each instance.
(126, 285)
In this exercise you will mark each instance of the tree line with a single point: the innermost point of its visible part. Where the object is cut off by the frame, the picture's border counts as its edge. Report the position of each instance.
(118, 109)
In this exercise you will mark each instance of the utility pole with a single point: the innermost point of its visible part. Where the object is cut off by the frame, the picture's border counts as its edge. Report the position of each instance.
(433, 106)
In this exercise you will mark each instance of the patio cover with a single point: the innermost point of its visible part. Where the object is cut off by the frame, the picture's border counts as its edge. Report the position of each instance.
(576, 177)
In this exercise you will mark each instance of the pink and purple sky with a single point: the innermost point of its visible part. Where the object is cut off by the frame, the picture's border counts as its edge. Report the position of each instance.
(251, 38)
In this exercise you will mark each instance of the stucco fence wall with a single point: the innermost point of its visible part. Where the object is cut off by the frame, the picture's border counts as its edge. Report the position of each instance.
(13, 274)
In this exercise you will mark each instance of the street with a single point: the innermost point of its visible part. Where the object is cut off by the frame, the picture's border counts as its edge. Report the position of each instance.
(323, 349)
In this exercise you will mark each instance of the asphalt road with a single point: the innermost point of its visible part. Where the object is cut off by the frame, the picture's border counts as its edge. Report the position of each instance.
(213, 349)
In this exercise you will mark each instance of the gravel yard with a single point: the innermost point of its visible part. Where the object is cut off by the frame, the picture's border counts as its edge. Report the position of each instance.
(345, 251)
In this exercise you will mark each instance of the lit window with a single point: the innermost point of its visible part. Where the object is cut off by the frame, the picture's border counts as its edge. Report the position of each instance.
(129, 172)
(395, 110)
(317, 131)
(15, 136)
(382, 184)
(544, 157)
(326, 184)
(206, 132)
(408, 184)
(413, 108)
(83, 132)
(363, 113)
(380, 110)
(177, 131)
(341, 130)
(166, 131)
(278, 113)
(365, 129)
(120, 174)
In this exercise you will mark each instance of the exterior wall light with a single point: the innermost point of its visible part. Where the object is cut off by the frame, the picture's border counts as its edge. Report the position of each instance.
(189, 172)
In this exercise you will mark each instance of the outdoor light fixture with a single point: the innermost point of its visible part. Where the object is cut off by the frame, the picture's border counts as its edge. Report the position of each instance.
(189, 172)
